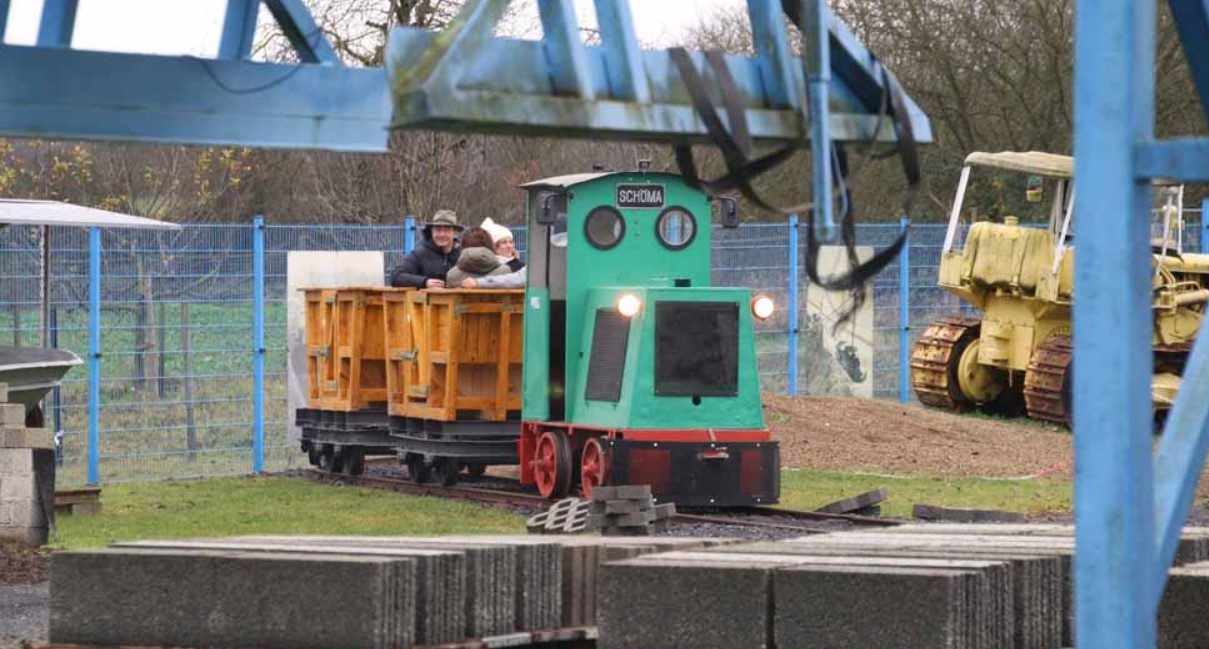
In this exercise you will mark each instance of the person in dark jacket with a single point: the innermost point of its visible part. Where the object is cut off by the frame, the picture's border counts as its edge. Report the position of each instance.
(427, 265)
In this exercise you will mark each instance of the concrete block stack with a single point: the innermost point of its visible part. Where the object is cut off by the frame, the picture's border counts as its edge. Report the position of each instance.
(27, 476)
(257, 600)
(287, 592)
(627, 510)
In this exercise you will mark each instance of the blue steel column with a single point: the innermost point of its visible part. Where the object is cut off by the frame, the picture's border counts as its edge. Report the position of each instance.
(817, 58)
(409, 234)
(1205, 226)
(258, 350)
(904, 316)
(1114, 502)
(792, 307)
(58, 23)
(94, 355)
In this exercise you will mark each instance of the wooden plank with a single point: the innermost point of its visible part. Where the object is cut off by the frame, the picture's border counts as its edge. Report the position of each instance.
(451, 367)
(502, 363)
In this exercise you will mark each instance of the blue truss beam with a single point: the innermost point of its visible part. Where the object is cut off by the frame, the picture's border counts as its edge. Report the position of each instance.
(58, 22)
(620, 51)
(303, 32)
(4, 5)
(564, 48)
(466, 79)
(1114, 499)
(62, 93)
(239, 29)
(1184, 160)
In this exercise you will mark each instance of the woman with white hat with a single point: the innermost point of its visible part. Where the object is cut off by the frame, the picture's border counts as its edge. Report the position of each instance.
(505, 245)
(505, 249)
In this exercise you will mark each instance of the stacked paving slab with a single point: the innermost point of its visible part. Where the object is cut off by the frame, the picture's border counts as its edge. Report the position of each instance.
(27, 476)
(911, 587)
(627, 510)
(356, 592)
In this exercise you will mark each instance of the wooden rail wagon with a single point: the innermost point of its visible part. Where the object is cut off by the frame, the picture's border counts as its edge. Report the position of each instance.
(433, 376)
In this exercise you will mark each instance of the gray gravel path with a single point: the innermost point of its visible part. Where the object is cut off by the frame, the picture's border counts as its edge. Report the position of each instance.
(24, 613)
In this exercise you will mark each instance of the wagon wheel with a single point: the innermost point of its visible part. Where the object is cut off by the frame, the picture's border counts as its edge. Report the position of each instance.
(330, 460)
(354, 460)
(552, 465)
(594, 466)
(476, 469)
(448, 469)
(417, 469)
(312, 454)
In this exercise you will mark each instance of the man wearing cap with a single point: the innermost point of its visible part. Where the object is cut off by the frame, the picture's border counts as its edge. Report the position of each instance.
(426, 266)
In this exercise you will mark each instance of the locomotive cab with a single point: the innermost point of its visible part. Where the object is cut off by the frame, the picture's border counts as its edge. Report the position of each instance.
(637, 370)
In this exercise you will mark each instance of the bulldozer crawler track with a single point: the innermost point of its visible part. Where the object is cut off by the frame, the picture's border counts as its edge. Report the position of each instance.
(933, 358)
(1046, 395)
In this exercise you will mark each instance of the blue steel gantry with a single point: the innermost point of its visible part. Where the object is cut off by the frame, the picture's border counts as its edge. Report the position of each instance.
(1130, 504)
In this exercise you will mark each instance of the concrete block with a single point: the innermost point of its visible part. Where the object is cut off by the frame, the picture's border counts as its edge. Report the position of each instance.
(22, 488)
(440, 599)
(1030, 615)
(855, 503)
(12, 415)
(621, 492)
(26, 438)
(934, 513)
(616, 507)
(856, 608)
(3, 393)
(16, 462)
(194, 598)
(664, 511)
(656, 603)
(25, 534)
(1182, 623)
(637, 519)
(612, 530)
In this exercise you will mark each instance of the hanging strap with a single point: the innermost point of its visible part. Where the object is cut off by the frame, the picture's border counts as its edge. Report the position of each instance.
(734, 144)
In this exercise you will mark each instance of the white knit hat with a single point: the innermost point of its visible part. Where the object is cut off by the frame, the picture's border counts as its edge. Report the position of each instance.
(498, 232)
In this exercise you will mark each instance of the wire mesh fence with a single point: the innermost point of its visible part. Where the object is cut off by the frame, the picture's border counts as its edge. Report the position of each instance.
(178, 346)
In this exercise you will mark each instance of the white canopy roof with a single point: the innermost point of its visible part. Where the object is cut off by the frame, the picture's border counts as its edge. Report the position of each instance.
(27, 212)
(1033, 162)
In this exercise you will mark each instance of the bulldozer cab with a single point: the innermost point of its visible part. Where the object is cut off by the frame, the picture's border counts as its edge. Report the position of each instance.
(1002, 254)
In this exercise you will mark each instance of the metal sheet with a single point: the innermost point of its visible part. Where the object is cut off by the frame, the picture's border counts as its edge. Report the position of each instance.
(842, 363)
(29, 212)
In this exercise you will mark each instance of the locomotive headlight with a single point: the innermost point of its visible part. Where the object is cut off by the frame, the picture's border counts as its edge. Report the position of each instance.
(762, 307)
(629, 305)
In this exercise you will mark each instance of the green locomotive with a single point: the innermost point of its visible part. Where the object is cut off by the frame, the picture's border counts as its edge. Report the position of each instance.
(636, 369)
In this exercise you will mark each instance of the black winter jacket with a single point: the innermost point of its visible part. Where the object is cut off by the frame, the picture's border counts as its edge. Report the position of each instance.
(426, 262)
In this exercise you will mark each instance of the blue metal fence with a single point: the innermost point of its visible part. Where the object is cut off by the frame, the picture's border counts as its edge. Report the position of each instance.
(185, 331)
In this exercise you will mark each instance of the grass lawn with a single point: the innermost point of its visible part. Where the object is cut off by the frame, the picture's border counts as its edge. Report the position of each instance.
(813, 489)
(230, 506)
(271, 505)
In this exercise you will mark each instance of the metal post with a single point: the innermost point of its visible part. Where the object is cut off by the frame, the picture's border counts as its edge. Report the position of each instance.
(904, 316)
(1114, 498)
(816, 56)
(56, 394)
(258, 350)
(1205, 226)
(94, 356)
(409, 234)
(792, 306)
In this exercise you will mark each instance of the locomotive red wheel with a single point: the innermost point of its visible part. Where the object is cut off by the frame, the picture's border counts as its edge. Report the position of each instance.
(594, 466)
(552, 464)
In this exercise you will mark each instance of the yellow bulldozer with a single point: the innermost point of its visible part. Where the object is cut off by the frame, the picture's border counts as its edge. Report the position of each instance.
(1015, 356)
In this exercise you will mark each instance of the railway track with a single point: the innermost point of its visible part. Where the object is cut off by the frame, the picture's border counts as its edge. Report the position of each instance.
(766, 518)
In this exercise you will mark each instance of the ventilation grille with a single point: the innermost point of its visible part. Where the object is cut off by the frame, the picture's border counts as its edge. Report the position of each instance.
(606, 368)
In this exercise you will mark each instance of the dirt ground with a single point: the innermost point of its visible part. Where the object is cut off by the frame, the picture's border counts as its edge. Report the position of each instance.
(839, 434)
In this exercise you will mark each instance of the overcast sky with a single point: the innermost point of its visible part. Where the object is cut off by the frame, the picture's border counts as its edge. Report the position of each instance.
(193, 26)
